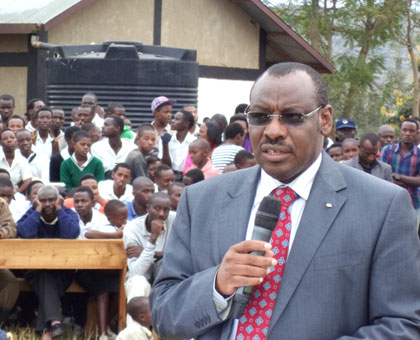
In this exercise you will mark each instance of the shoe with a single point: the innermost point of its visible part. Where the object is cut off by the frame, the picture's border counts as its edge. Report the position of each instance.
(57, 330)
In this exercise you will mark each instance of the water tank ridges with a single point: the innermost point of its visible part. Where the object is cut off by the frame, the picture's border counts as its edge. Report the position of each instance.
(135, 98)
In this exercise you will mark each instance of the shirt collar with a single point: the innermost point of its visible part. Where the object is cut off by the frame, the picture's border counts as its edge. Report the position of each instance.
(301, 185)
(85, 164)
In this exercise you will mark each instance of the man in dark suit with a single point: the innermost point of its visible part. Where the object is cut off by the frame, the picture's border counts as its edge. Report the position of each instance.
(352, 269)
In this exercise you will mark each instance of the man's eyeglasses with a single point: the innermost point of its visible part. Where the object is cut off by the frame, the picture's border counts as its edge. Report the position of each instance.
(262, 118)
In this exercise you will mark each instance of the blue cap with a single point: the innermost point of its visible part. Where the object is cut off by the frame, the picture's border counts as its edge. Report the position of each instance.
(343, 123)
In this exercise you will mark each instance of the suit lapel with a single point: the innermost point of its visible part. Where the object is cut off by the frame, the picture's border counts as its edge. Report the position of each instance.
(322, 207)
(234, 210)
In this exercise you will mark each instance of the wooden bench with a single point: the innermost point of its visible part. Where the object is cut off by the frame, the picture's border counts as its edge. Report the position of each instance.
(67, 254)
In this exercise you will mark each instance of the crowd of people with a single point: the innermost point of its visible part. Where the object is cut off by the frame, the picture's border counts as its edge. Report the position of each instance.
(98, 178)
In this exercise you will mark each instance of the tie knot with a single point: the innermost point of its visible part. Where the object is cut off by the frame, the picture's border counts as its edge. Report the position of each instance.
(286, 195)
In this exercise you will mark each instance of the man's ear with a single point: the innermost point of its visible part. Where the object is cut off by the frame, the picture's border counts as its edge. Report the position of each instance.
(325, 120)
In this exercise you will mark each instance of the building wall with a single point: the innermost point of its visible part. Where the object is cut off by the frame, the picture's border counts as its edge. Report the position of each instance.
(17, 43)
(106, 20)
(13, 81)
(219, 30)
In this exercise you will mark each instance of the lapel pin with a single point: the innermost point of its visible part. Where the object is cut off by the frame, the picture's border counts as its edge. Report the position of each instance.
(328, 205)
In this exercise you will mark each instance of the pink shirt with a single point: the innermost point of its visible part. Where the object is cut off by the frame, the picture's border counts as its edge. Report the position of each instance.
(208, 169)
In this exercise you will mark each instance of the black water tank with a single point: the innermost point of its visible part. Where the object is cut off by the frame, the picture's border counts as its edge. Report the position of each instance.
(126, 72)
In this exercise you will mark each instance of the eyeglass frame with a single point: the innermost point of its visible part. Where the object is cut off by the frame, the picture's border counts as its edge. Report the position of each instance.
(303, 116)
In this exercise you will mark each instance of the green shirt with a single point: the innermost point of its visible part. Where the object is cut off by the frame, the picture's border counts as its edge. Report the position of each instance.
(127, 133)
(70, 172)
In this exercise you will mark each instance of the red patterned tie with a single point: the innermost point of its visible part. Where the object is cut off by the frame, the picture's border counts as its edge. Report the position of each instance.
(254, 323)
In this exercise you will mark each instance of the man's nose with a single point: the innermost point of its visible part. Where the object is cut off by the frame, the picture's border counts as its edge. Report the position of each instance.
(275, 129)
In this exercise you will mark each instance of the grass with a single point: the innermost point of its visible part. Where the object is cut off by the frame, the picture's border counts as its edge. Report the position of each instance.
(27, 333)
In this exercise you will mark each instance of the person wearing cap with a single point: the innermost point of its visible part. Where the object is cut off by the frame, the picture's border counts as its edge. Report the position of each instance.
(162, 111)
(344, 128)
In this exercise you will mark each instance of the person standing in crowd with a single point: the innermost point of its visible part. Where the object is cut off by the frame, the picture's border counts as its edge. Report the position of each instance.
(350, 148)
(174, 193)
(112, 149)
(404, 159)
(90, 99)
(10, 160)
(16, 123)
(386, 135)
(119, 187)
(64, 154)
(220, 120)
(43, 142)
(180, 141)
(81, 162)
(366, 159)
(38, 163)
(196, 127)
(33, 106)
(7, 106)
(162, 113)
(344, 128)
(57, 122)
(323, 261)
(335, 151)
(240, 118)
(118, 109)
(136, 159)
(163, 176)
(225, 153)
(199, 153)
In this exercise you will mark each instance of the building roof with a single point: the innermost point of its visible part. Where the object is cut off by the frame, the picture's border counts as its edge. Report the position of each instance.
(282, 42)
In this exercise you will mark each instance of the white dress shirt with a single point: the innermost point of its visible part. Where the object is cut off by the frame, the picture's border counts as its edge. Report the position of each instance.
(302, 186)
(19, 170)
(178, 151)
(98, 222)
(106, 191)
(43, 148)
(39, 165)
(102, 150)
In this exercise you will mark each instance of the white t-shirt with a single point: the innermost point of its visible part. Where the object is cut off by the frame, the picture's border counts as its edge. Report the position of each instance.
(102, 150)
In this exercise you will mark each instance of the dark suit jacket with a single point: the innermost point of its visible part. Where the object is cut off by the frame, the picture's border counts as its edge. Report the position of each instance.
(353, 271)
(380, 169)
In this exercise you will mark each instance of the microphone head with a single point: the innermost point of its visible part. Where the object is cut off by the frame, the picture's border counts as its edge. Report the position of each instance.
(268, 213)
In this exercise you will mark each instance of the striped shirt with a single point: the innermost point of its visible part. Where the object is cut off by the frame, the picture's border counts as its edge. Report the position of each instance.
(408, 164)
(224, 154)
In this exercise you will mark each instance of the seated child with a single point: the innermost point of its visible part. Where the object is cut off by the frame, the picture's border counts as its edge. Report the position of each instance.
(164, 176)
(199, 153)
(174, 193)
(139, 310)
(81, 162)
(244, 159)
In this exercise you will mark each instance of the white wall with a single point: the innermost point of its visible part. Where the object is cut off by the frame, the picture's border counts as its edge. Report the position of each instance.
(221, 96)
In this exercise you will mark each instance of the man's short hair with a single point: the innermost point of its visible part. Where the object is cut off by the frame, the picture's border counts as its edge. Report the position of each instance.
(156, 196)
(121, 165)
(6, 183)
(196, 175)
(220, 120)
(161, 168)
(87, 176)
(410, 120)
(349, 140)
(188, 117)
(240, 108)
(4, 171)
(174, 185)
(7, 97)
(202, 143)
(152, 159)
(242, 156)
(84, 106)
(5, 130)
(111, 208)
(88, 127)
(83, 189)
(371, 137)
(91, 94)
(334, 145)
(48, 189)
(118, 122)
(78, 135)
(112, 106)
(284, 69)
(30, 186)
(238, 117)
(233, 130)
(43, 108)
(31, 103)
(70, 131)
(144, 127)
(16, 117)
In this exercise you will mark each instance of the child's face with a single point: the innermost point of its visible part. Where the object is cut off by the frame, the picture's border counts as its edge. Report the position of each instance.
(151, 169)
(147, 141)
(198, 155)
(175, 196)
(92, 185)
(95, 134)
(119, 218)
(336, 153)
(350, 150)
(165, 179)
(82, 147)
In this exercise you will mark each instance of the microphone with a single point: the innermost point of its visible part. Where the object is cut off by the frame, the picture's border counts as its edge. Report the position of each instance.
(265, 221)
